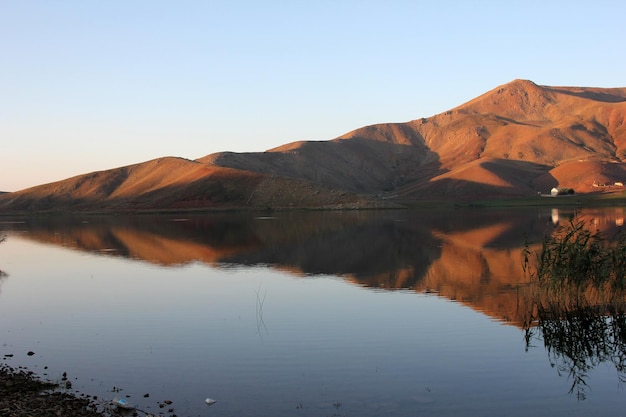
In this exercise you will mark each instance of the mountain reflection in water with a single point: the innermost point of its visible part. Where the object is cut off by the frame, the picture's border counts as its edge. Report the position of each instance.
(470, 256)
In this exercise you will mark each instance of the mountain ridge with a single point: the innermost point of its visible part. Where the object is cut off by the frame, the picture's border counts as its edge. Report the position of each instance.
(517, 139)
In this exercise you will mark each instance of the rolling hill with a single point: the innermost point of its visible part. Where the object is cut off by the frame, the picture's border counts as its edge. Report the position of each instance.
(515, 140)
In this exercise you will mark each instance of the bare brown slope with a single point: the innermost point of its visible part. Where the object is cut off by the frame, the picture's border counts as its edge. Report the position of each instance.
(495, 145)
(521, 122)
(361, 164)
(158, 182)
(176, 183)
(545, 125)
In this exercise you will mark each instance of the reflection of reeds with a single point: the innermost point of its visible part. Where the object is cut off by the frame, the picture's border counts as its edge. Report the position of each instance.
(577, 341)
(579, 302)
(259, 311)
(3, 274)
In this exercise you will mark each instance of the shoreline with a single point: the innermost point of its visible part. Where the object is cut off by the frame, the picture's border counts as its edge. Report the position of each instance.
(589, 200)
(25, 394)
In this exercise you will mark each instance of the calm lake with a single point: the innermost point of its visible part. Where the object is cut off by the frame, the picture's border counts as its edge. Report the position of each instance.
(384, 313)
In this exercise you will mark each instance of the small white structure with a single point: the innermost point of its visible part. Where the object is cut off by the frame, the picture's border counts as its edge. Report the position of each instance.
(554, 192)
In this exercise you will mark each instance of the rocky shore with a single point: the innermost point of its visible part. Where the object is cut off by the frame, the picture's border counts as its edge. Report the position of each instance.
(23, 394)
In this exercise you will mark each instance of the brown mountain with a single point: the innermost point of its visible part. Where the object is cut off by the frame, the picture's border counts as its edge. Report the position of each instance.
(515, 140)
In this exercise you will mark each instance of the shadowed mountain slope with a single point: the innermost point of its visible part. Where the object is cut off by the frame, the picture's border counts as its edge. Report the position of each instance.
(506, 142)
(517, 139)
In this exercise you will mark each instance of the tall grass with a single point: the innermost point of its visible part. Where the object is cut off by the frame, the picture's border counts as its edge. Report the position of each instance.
(579, 293)
(579, 256)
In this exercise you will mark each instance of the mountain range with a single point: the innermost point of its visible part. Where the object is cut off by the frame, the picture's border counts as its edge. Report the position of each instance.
(519, 139)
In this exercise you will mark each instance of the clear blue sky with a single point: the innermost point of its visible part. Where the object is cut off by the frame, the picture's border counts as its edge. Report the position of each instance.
(91, 85)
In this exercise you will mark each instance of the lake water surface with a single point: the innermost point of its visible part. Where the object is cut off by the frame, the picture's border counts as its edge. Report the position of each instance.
(391, 313)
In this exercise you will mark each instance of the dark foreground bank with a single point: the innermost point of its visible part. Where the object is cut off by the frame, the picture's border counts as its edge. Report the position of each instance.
(23, 394)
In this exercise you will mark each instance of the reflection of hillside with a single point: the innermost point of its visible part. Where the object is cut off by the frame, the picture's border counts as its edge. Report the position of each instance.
(141, 242)
(488, 280)
(474, 257)
(212, 239)
(476, 270)
(367, 252)
(478, 262)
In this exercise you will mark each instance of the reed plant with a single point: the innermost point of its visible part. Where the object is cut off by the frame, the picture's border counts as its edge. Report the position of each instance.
(579, 293)
(578, 255)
